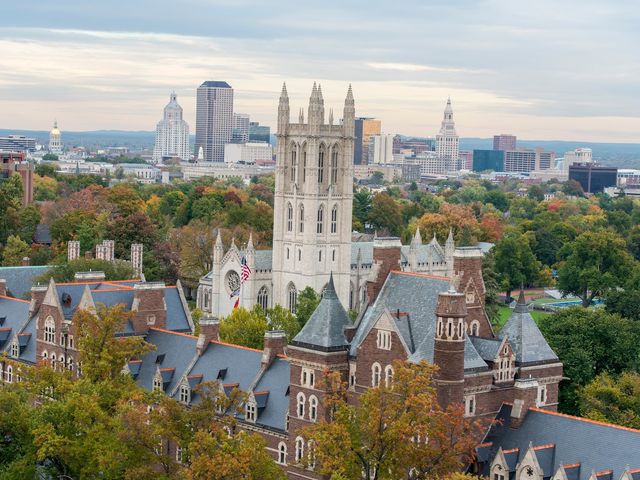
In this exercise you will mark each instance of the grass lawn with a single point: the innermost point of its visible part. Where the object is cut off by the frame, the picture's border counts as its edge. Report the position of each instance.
(505, 312)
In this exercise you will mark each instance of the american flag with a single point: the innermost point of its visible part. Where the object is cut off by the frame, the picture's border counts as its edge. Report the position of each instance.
(246, 271)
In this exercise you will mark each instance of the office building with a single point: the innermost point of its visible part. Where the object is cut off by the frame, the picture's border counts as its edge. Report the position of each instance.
(55, 140)
(544, 160)
(466, 159)
(364, 129)
(484, 160)
(579, 155)
(380, 149)
(528, 160)
(14, 162)
(172, 133)
(447, 141)
(416, 144)
(504, 142)
(592, 177)
(259, 133)
(240, 128)
(17, 143)
(260, 153)
(430, 163)
(214, 120)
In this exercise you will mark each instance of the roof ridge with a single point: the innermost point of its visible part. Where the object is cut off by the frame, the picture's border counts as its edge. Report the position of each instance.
(13, 298)
(583, 419)
(424, 275)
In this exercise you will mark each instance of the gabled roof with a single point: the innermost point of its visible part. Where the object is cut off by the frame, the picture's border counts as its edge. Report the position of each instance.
(21, 279)
(325, 329)
(488, 348)
(529, 345)
(13, 313)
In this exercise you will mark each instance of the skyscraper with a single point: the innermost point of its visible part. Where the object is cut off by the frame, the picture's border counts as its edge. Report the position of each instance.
(504, 142)
(259, 133)
(364, 129)
(172, 133)
(240, 128)
(214, 120)
(55, 139)
(447, 141)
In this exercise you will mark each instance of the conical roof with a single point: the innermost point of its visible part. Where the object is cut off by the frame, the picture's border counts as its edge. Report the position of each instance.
(325, 329)
(525, 337)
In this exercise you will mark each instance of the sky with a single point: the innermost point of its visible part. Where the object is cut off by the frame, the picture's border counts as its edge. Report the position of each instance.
(553, 70)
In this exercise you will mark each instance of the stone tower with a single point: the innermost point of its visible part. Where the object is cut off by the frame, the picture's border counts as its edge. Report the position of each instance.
(448, 353)
(313, 200)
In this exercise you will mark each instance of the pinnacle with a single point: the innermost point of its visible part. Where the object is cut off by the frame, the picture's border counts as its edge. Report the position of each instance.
(219, 239)
(349, 95)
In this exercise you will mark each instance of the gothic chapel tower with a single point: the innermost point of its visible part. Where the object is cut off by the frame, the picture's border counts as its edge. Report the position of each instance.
(313, 200)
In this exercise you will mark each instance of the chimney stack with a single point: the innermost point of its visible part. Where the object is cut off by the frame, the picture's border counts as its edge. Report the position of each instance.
(526, 392)
(26, 261)
(3, 287)
(386, 257)
(209, 331)
(274, 343)
(149, 306)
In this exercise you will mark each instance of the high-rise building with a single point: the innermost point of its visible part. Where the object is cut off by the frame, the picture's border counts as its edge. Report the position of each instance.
(592, 177)
(15, 162)
(519, 160)
(447, 141)
(364, 128)
(488, 160)
(466, 159)
(172, 133)
(544, 160)
(214, 120)
(240, 128)
(17, 143)
(579, 155)
(259, 133)
(55, 139)
(504, 142)
(380, 149)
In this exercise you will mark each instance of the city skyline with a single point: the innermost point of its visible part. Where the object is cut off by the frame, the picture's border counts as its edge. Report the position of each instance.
(529, 72)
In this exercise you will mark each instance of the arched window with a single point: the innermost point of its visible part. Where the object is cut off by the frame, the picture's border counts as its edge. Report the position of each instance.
(320, 219)
(49, 330)
(157, 384)
(334, 219)
(294, 162)
(53, 360)
(299, 449)
(45, 357)
(185, 394)
(70, 364)
(15, 349)
(321, 164)
(300, 399)
(313, 408)
(301, 219)
(388, 376)
(334, 165)
(289, 217)
(292, 295)
(376, 372)
(9, 374)
(62, 362)
(263, 297)
(311, 455)
(474, 328)
(282, 453)
(304, 165)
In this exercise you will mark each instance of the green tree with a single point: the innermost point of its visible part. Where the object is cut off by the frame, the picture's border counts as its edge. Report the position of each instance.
(385, 214)
(515, 263)
(49, 157)
(593, 263)
(46, 170)
(590, 342)
(308, 301)
(245, 327)
(498, 199)
(536, 192)
(625, 301)
(572, 188)
(362, 205)
(612, 399)
(15, 250)
(65, 272)
(280, 318)
(377, 178)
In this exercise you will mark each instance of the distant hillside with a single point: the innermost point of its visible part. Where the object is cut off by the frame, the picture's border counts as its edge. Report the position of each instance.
(139, 140)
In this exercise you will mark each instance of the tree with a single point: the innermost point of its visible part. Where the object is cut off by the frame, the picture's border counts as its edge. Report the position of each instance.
(308, 301)
(572, 188)
(535, 192)
(244, 327)
(125, 199)
(395, 431)
(385, 214)
(590, 342)
(15, 250)
(515, 263)
(625, 301)
(280, 318)
(612, 399)
(49, 157)
(362, 205)
(593, 263)
(377, 178)
(490, 277)
(65, 272)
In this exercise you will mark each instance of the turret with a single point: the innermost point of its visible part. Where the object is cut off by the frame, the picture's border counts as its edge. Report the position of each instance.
(349, 116)
(218, 250)
(416, 242)
(283, 111)
(449, 248)
(315, 110)
(448, 353)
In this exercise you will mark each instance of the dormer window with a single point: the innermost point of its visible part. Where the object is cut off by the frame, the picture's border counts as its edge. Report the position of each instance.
(185, 394)
(157, 384)
(151, 319)
(250, 411)
(384, 340)
(15, 349)
(50, 330)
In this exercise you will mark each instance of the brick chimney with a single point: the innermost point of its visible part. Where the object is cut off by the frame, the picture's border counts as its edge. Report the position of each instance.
(149, 306)
(386, 257)
(275, 342)
(526, 392)
(26, 261)
(467, 274)
(209, 330)
(3, 287)
(38, 293)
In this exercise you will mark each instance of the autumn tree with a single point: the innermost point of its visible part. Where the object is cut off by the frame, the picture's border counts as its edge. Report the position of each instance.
(14, 251)
(65, 272)
(613, 399)
(394, 432)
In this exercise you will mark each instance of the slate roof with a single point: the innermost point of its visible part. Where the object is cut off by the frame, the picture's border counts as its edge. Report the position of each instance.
(21, 279)
(276, 381)
(529, 345)
(596, 446)
(42, 234)
(325, 328)
(487, 347)
(13, 313)
(417, 296)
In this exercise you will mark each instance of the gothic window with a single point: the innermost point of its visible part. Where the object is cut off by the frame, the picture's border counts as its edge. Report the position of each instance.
(320, 255)
(307, 377)
(49, 330)
(157, 384)
(320, 219)
(542, 396)
(352, 375)
(180, 457)
(351, 291)
(388, 376)
(384, 340)
(334, 219)
(251, 408)
(53, 360)
(292, 295)
(474, 329)
(299, 449)
(70, 364)
(301, 219)
(9, 374)
(334, 165)
(311, 455)
(313, 408)
(185, 394)
(376, 372)
(460, 328)
(289, 217)
(232, 281)
(304, 165)
(300, 399)
(282, 453)
(45, 357)
(333, 255)
(61, 362)
(263, 297)
(15, 349)
(321, 164)
(469, 405)
(294, 163)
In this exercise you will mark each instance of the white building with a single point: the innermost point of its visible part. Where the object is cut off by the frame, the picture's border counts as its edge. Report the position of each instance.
(579, 155)
(380, 149)
(447, 141)
(55, 139)
(247, 153)
(142, 172)
(172, 133)
(430, 163)
(224, 171)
